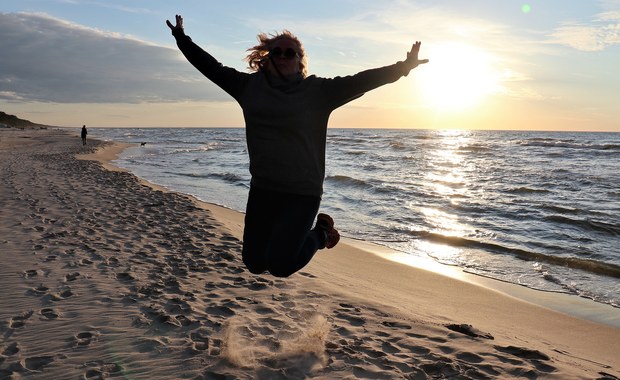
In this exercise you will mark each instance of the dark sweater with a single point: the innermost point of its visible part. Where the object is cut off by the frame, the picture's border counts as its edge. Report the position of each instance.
(286, 122)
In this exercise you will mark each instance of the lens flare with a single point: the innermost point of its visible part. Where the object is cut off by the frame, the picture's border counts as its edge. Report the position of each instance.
(526, 8)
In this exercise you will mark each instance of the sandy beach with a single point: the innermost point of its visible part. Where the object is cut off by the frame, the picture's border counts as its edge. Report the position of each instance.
(106, 276)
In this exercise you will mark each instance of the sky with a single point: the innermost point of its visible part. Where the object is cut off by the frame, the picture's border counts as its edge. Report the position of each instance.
(515, 65)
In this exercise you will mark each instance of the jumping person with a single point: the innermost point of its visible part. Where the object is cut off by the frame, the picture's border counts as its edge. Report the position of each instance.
(286, 114)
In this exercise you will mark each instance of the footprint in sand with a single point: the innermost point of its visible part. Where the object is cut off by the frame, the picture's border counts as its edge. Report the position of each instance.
(125, 276)
(151, 345)
(469, 330)
(39, 290)
(220, 311)
(72, 276)
(396, 325)
(49, 313)
(11, 349)
(184, 321)
(211, 285)
(353, 320)
(418, 350)
(470, 357)
(389, 348)
(64, 294)
(440, 370)
(246, 300)
(102, 371)
(83, 339)
(264, 310)
(35, 363)
(85, 262)
(199, 341)
(523, 353)
(161, 316)
(257, 285)
(282, 284)
(177, 305)
(31, 273)
(20, 320)
(94, 374)
(151, 290)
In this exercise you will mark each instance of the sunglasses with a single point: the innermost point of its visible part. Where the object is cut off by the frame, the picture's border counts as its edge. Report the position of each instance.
(288, 53)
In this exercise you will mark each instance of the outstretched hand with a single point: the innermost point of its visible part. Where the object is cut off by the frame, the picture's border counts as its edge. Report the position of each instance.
(412, 60)
(178, 26)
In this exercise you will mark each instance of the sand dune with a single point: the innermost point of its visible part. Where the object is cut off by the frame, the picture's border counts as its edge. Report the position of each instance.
(103, 277)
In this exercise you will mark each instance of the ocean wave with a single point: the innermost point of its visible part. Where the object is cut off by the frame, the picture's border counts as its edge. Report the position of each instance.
(344, 180)
(608, 147)
(353, 152)
(201, 148)
(398, 145)
(475, 148)
(395, 189)
(526, 190)
(347, 140)
(228, 177)
(191, 175)
(591, 225)
(570, 144)
(562, 210)
(587, 265)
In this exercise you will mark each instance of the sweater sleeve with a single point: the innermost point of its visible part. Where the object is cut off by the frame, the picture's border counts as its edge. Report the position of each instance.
(227, 78)
(341, 90)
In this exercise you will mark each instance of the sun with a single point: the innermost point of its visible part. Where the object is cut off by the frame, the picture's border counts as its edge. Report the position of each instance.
(457, 78)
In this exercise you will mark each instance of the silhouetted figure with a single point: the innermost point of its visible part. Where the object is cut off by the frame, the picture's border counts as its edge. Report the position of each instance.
(286, 113)
(84, 133)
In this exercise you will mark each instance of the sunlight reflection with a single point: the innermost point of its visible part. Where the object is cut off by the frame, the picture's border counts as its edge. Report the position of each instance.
(447, 178)
(421, 262)
(446, 224)
(441, 252)
(447, 175)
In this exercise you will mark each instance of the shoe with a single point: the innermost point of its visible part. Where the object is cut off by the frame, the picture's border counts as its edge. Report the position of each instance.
(325, 223)
(333, 237)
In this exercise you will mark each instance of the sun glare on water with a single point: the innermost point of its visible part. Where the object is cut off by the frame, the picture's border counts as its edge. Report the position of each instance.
(457, 78)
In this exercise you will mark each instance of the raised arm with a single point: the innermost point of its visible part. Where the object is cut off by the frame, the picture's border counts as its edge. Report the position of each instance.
(412, 60)
(227, 78)
(341, 90)
(178, 28)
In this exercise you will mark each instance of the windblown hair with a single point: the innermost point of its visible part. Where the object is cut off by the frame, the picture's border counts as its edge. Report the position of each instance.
(258, 55)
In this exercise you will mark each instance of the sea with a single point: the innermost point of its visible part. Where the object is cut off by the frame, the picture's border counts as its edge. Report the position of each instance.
(538, 209)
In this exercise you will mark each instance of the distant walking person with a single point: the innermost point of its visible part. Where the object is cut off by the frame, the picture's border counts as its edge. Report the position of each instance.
(84, 133)
(286, 113)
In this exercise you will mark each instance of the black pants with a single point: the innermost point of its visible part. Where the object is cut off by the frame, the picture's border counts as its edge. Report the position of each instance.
(278, 235)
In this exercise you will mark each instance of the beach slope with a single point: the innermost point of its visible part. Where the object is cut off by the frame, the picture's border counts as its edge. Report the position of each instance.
(105, 276)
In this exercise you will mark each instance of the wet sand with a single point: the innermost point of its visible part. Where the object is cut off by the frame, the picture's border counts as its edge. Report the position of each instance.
(106, 276)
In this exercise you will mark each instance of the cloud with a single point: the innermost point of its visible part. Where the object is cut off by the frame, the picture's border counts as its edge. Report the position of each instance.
(602, 32)
(47, 59)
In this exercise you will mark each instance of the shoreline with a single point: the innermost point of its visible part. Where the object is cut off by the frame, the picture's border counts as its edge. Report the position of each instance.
(106, 275)
(566, 303)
